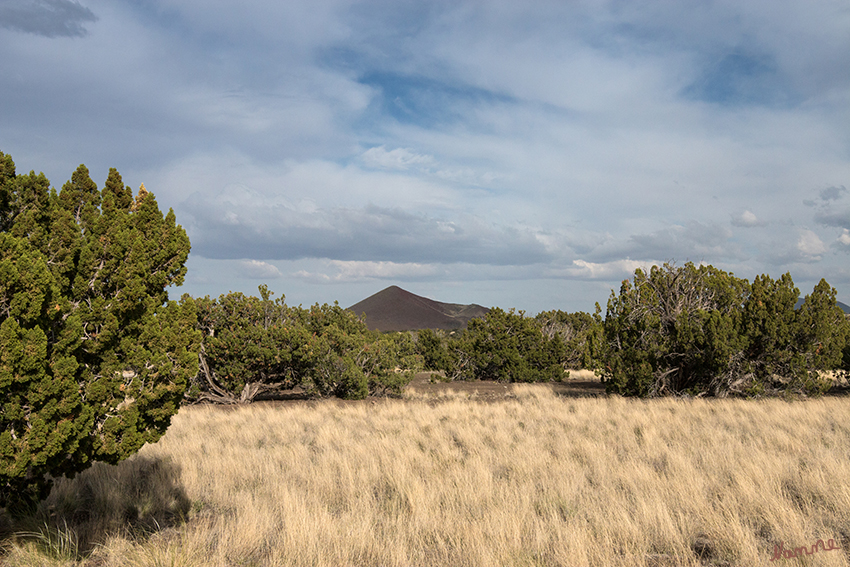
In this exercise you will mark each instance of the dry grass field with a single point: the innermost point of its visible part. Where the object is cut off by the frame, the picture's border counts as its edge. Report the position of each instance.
(449, 480)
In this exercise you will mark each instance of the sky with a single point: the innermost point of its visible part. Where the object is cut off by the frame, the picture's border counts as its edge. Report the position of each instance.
(526, 155)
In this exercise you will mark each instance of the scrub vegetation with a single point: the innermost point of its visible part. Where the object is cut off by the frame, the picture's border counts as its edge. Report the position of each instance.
(689, 330)
(259, 347)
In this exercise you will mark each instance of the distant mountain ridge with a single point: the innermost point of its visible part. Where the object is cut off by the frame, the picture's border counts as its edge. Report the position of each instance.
(844, 307)
(395, 309)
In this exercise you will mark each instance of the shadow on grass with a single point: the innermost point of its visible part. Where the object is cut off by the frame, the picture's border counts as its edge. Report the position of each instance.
(136, 498)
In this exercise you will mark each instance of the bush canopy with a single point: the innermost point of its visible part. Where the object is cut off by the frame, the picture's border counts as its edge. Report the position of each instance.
(700, 330)
(259, 347)
(94, 358)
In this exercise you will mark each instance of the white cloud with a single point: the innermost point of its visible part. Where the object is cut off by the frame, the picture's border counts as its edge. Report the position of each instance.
(843, 240)
(610, 271)
(810, 245)
(353, 271)
(747, 219)
(399, 158)
(258, 270)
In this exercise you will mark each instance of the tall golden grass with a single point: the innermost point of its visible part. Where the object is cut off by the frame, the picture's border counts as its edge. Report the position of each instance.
(531, 481)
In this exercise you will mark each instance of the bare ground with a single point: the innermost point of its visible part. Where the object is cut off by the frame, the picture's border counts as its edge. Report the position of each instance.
(582, 384)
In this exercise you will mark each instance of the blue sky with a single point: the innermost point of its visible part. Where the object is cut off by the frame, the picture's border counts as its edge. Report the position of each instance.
(517, 154)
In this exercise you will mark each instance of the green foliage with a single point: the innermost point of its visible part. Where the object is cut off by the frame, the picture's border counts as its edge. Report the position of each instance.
(700, 330)
(823, 333)
(338, 347)
(250, 346)
(507, 346)
(667, 329)
(94, 359)
(259, 347)
(391, 363)
(431, 346)
(581, 334)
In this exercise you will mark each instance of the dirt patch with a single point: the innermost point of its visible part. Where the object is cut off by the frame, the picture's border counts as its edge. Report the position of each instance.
(431, 385)
(581, 384)
(584, 385)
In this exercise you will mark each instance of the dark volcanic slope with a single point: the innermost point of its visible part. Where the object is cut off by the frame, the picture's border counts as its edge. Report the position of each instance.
(844, 307)
(395, 309)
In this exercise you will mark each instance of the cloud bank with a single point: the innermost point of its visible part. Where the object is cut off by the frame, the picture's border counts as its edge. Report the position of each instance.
(48, 18)
(526, 155)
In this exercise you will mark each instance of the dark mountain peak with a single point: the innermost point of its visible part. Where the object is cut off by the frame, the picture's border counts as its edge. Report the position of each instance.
(396, 309)
(844, 307)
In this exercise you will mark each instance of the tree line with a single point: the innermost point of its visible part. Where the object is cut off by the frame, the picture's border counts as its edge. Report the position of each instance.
(95, 358)
(671, 330)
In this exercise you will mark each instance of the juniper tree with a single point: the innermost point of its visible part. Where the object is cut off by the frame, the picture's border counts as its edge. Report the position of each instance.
(94, 358)
(251, 346)
(509, 347)
(431, 346)
(700, 330)
(260, 347)
(581, 334)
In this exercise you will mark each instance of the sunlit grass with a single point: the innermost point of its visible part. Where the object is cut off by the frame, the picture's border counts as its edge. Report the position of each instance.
(535, 480)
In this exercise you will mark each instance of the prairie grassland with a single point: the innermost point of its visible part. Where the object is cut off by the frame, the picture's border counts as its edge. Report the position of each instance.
(531, 481)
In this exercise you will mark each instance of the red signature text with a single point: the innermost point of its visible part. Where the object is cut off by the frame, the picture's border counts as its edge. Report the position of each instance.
(779, 551)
